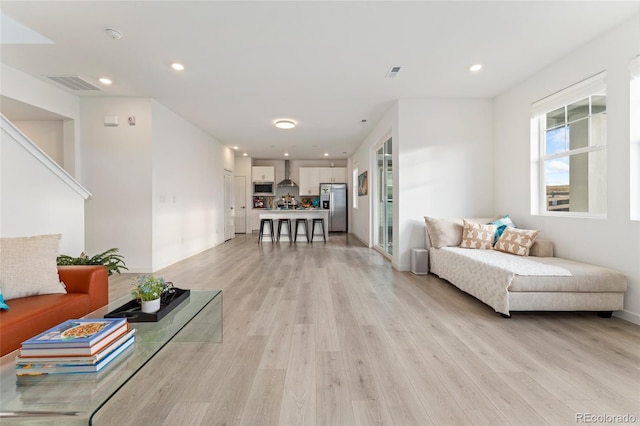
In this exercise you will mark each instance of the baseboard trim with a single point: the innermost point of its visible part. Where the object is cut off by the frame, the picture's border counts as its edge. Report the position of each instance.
(628, 316)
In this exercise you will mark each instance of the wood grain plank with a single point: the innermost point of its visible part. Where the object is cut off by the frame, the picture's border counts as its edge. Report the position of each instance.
(337, 327)
(299, 396)
(263, 403)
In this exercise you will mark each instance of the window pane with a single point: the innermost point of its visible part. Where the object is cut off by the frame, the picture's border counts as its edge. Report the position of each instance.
(555, 118)
(578, 110)
(578, 134)
(576, 183)
(556, 141)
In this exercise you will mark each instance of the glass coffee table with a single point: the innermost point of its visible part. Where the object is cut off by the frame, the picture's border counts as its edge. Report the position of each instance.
(72, 399)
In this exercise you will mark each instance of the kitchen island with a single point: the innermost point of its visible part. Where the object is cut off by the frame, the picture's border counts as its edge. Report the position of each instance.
(294, 214)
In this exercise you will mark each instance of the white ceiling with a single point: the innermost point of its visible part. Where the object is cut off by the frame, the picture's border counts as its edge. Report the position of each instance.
(322, 64)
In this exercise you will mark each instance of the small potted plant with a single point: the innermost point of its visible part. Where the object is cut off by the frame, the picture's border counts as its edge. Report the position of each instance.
(148, 290)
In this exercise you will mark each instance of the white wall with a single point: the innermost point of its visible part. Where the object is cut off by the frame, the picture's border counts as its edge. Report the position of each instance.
(187, 188)
(612, 242)
(48, 135)
(445, 162)
(23, 193)
(24, 88)
(157, 186)
(442, 162)
(33, 199)
(117, 165)
(364, 159)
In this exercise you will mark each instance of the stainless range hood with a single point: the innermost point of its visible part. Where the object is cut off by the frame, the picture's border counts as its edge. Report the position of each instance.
(287, 182)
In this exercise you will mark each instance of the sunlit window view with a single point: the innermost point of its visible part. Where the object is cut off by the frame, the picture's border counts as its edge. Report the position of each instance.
(574, 156)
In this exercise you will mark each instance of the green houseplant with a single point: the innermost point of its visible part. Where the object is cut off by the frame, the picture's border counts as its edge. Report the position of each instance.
(110, 258)
(148, 290)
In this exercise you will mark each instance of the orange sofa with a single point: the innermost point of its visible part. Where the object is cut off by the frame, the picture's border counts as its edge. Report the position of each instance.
(87, 290)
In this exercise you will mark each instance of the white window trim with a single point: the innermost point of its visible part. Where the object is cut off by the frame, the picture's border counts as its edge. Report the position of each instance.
(588, 87)
(634, 143)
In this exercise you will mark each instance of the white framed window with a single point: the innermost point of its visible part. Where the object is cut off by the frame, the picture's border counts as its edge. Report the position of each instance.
(634, 113)
(569, 133)
(354, 189)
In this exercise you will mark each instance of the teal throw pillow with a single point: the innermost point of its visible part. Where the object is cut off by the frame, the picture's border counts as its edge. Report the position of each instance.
(3, 305)
(502, 223)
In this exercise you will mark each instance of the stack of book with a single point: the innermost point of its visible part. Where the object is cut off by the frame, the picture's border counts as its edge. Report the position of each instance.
(76, 346)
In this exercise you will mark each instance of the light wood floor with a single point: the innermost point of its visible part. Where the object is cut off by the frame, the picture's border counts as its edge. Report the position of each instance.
(330, 334)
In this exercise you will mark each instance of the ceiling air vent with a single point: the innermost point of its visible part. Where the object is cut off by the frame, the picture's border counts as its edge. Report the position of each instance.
(73, 82)
(393, 72)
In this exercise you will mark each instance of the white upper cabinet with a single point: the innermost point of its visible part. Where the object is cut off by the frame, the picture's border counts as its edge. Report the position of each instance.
(309, 181)
(339, 175)
(312, 177)
(263, 173)
(333, 174)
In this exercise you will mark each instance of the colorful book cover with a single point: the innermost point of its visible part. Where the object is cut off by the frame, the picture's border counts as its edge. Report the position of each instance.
(78, 359)
(30, 369)
(62, 350)
(75, 333)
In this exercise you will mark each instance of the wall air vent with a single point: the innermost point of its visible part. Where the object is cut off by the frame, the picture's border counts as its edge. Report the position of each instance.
(393, 72)
(73, 82)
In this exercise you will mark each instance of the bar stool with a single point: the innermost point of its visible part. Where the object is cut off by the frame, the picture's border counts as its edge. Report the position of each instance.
(281, 222)
(306, 229)
(262, 223)
(319, 221)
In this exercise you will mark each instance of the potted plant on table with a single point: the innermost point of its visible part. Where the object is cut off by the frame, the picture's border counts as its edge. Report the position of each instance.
(148, 290)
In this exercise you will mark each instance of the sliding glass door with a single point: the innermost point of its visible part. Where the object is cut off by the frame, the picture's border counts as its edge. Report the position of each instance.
(384, 198)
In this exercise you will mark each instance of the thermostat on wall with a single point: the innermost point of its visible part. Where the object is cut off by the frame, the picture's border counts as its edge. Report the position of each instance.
(110, 120)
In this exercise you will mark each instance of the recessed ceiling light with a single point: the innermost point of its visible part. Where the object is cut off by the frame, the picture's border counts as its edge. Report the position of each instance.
(285, 124)
(326, 154)
(235, 147)
(113, 33)
(245, 154)
(286, 154)
(177, 66)
(475, 68)
(104, 80)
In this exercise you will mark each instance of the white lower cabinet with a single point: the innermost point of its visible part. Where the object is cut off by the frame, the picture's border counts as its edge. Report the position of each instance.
(255, 219)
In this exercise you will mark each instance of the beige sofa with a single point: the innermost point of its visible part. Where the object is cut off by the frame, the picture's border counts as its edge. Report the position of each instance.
(507, 282)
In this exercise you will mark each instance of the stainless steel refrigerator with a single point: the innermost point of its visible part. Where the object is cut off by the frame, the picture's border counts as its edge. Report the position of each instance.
(333, 196)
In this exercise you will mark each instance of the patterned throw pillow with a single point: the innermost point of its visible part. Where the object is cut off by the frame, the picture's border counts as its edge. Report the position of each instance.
(477, 236)
(517, 241)
(502, 223)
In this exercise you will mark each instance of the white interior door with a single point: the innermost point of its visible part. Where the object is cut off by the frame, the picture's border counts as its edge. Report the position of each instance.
(228, 206)
(240, 204)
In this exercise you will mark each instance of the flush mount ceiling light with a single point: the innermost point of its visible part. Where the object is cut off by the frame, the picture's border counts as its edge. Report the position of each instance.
(177, 66)
(104, 80)
(285, 124)
(475, 67)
